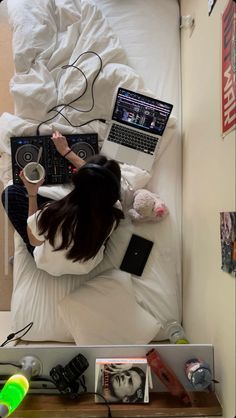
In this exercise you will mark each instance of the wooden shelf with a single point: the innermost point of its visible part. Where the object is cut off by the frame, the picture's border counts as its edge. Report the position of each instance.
(161, 405)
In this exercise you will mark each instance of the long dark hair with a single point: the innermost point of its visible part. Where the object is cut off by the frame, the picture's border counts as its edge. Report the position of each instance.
(85, 217)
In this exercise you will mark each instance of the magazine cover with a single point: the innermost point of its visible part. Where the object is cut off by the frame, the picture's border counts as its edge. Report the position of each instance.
(228, 242)
(122, 380)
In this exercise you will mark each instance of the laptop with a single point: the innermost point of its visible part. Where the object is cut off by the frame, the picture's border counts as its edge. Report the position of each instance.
(25, 149)
(138, 123)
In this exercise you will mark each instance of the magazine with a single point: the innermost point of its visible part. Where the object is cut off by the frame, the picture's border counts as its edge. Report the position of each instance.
(122, 380)
(228, 242)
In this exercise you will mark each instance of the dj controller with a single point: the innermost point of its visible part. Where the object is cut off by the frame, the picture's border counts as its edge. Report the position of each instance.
(58, 169)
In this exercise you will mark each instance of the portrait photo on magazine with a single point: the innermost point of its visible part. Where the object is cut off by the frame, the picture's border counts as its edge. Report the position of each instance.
(122, 380)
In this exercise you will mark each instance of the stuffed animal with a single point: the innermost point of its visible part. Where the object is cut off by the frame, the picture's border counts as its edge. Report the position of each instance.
(147, 207)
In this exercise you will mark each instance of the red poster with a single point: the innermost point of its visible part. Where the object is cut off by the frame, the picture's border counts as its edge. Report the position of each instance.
(229, 68)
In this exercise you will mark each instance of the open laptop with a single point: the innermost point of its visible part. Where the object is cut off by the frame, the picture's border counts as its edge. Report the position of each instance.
(138, 123)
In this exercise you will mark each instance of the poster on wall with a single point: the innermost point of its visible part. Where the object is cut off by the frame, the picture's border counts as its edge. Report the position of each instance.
(229, 68)
(211, 4)
(228, 242)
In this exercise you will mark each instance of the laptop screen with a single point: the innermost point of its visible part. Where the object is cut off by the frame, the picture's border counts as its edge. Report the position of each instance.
(142, 112)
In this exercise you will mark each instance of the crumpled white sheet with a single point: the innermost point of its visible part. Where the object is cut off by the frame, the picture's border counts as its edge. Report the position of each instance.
(52, 33)
(47, 35)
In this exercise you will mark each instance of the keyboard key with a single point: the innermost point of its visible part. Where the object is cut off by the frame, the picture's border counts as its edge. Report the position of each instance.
(132, 139)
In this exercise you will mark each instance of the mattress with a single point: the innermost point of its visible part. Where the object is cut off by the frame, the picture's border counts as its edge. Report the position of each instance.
(139, 43)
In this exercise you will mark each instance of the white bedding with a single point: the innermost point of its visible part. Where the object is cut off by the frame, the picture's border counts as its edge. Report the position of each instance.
(139, 45)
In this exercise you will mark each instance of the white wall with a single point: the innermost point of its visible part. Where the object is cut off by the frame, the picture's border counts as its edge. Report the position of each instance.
(208, 188)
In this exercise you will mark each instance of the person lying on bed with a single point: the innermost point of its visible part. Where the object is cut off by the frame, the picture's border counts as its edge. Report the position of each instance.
(68, 236)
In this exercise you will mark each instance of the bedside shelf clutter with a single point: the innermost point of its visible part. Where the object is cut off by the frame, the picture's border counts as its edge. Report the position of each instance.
(161, 405)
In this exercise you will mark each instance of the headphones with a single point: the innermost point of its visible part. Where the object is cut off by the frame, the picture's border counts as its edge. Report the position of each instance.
(105, 172)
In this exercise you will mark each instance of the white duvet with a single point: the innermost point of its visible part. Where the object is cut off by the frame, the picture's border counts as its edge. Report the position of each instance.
(49, 34)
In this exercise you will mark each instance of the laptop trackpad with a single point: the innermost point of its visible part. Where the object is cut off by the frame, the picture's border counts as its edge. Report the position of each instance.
(126, 154)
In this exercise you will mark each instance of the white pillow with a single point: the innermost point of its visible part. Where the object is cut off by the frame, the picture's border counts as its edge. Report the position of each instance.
(36, 294)
(35, 298)
(104, 311)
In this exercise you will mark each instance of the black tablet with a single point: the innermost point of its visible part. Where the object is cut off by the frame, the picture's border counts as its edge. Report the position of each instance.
(136, 255)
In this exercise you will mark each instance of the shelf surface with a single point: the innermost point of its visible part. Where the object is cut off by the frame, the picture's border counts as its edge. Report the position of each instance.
(161, 405)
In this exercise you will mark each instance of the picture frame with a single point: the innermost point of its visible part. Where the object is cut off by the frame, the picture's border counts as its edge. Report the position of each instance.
(228, 242)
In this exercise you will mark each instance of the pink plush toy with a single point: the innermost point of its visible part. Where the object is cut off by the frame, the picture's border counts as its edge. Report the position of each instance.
(147, 207)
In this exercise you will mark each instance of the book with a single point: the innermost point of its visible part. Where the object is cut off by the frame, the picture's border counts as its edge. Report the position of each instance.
(122, 380)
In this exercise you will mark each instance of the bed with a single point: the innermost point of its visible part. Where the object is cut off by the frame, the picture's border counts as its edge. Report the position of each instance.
(139, 45)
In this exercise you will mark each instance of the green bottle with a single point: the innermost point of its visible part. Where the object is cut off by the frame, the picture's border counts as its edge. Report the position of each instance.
(176, 333)
(12, 394)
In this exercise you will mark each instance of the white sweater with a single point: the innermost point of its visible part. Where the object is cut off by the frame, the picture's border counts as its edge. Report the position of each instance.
(55, 262)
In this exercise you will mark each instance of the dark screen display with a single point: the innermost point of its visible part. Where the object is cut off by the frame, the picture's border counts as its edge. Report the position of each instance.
(141, 112)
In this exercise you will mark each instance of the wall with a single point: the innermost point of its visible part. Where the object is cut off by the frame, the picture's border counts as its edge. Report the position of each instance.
(208, 188)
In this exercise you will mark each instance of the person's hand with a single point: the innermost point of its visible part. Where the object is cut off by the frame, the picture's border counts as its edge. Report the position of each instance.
(118, 368)
(60, 143)
(32, 188)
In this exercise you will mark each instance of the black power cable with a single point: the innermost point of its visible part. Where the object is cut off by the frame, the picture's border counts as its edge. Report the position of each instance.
(5, 363)
(66, 105)
(11, 336)
(85, 392)
(109, 414)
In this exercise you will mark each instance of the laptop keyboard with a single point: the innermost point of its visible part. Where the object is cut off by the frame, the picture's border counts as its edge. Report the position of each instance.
(132, 139)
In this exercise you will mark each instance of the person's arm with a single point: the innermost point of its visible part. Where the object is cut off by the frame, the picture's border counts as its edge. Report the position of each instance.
(33, 207)
(32, 190)
(33, 204)
(64, 150)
